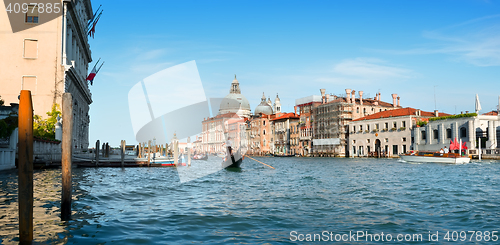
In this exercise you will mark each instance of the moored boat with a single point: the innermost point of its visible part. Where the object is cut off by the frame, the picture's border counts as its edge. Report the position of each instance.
(436, 157)
(200, 157)
(278, 155)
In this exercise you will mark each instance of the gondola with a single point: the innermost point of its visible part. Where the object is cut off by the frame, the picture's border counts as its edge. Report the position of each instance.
(234, 161)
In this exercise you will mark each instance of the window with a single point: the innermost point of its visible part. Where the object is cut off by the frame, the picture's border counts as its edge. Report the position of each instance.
(386, 140)
(403, 124)
(353, 142)
(30, 49)
(364, 110)
(360, 127)
(386, 125)
(404, 139)
(435, 133)
(404, 148)
(463, 132)
(264, 132)
(448, 133)
(367, 140)
(424, 135)
(368, 127)
(29, 83)
(376, 126)
(353, 128)
(32, 14)
(394, 124)
(357, 109)
(264, 123)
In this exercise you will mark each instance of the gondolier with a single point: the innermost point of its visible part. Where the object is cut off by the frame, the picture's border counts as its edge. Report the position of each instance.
(231, 161)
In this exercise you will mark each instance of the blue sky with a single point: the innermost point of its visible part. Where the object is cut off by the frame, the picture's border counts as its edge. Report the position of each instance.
(295, 48)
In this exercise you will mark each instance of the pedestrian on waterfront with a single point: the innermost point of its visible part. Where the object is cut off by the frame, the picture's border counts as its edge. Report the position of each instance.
(446, 150)
(441, 151)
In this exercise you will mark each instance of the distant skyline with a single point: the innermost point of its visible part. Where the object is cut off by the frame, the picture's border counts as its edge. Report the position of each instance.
(295, 48)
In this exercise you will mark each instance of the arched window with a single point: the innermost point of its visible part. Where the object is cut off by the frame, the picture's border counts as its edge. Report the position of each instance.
(357, 109)
(264, 132)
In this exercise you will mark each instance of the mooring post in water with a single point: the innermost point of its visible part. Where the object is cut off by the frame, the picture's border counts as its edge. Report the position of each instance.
(139, 150)
(176, 153)
(149, 152)
(107, 149)
(67, 113)
(189, 150)
(123, 153)
(25, 165)
(97, 144)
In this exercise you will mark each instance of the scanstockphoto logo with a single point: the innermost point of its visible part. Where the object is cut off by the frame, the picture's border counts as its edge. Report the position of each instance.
(25, 14)
(173, 101)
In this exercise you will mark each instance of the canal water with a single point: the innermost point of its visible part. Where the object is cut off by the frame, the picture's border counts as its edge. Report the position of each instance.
(303, 198)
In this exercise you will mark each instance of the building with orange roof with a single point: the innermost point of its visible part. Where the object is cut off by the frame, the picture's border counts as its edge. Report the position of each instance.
(281, 132)
(386, 133)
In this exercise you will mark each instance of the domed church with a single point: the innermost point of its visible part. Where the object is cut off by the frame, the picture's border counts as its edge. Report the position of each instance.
(263, 107)
(235, 102)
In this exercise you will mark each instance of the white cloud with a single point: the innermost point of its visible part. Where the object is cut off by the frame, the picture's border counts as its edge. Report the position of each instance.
(370, 68)
(475, 41)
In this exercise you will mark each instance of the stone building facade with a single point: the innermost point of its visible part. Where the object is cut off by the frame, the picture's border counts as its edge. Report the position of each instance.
(282, 132)
(385, 133)
(471, 130)
(49, 59)
(332, 115)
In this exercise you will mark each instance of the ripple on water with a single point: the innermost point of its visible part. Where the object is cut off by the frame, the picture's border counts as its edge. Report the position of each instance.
(258, 205)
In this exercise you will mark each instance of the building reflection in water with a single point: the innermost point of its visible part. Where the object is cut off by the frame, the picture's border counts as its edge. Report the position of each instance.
(47, 224)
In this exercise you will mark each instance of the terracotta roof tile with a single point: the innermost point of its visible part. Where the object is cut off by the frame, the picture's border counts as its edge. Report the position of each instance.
(491, 113)
(290, 115)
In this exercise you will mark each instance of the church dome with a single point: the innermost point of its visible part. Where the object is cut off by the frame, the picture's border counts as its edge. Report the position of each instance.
(263, 107)
(235, 102)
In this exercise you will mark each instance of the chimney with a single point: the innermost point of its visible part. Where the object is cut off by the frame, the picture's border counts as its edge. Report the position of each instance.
(398, 102)
(360, 97)
(436, 114)
(322, 95)
(353, 96)
(379, 96)
(348, 95)
(327, 98)
(295, 110)
(394, 98)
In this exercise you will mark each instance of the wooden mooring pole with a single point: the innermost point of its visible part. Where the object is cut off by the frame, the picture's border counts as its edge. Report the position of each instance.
(189, 151)
(25, 164)
(149, 152)
(67, 150)
(123, 153)
(97, 144)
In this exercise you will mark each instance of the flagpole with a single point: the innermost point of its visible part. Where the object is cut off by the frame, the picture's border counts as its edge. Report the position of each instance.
(100, 67)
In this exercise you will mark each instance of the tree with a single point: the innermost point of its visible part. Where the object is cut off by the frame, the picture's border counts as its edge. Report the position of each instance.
(46, 128)
(1, 101)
